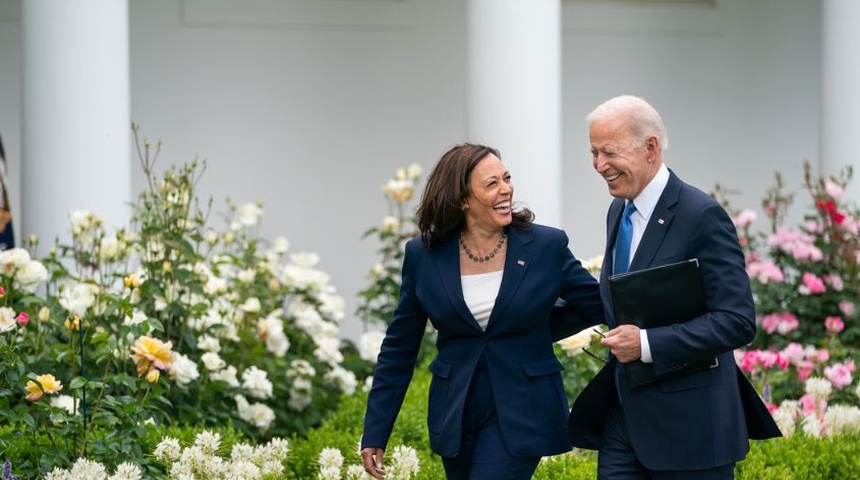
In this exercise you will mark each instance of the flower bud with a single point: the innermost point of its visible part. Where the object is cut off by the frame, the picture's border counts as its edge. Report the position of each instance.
(73, 323)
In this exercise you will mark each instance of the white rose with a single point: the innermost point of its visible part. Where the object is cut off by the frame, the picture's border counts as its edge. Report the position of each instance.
(80, 220)
(256, 383)
(109, 248)
(413, 172)
(13, 259)
(30, 276)
(257, 414)
(78, 297)
(184, 370)
(305, 259)
(281, 245)
(399, 190)
(66, 402)
(251, 305)
(226, 375)
(137, 317)
(212, 361)
(248, 214)
(390, 225)
(246, 276)
(209, 343)
(7, 319)
(369, 345)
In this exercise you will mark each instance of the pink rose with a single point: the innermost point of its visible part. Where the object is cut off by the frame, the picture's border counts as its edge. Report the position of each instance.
(745, 218)
(770, 322)
(846, 307)
(808, 404)
(804, 370)
(833, 190)
(812, 285)
(835, 282)
(834, 324)
(765, 272)
(794, 353)
(839, 375)
(749, 362)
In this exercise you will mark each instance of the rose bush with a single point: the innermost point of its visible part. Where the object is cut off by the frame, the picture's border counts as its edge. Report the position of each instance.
(169, 321)
(806, 285)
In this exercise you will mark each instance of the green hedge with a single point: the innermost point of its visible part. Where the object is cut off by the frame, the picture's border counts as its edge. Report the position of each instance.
(35, 453)
(795, 458)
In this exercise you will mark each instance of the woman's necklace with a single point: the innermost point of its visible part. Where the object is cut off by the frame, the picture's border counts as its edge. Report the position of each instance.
(487, 257)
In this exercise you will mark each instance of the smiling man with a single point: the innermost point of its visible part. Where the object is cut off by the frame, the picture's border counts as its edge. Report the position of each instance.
(694, 425)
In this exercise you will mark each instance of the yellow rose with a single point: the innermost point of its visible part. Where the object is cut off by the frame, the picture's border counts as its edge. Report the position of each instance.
(151, 353)
(131, 281)
(153, 375)
(49, 384)
(73, 323)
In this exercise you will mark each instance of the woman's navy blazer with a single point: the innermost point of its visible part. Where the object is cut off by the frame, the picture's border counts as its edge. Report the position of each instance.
(517, 345)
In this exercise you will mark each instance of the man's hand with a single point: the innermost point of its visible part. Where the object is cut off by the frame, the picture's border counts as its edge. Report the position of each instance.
(623, 342)
(372, 459)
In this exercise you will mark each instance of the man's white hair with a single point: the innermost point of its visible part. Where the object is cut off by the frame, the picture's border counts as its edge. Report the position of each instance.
(644, 119)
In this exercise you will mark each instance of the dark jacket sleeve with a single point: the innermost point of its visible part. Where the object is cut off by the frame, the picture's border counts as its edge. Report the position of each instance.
(396, 361)
(579, 305)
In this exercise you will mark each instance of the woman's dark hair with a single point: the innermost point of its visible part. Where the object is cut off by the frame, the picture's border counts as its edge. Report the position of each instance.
(440, 213)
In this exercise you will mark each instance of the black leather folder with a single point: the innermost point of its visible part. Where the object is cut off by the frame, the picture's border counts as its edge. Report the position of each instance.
(658, 297)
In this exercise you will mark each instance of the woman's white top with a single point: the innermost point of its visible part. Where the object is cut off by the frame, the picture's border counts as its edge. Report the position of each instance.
(480, 292)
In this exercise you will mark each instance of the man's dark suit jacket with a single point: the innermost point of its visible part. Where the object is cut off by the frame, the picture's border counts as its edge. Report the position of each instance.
(701, 419)
(517, 345)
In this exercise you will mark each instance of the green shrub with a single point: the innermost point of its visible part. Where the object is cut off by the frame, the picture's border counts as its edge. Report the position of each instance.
(343, 429)
(794, 458)
(37, 452)
(802, 458)
(170, 320)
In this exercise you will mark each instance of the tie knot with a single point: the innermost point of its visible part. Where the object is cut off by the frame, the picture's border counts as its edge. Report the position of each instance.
(629, 209)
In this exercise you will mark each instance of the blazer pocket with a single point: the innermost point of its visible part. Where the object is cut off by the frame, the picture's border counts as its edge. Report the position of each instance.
(542, 367)
(547, 406)
(440, 384)
(688, 381)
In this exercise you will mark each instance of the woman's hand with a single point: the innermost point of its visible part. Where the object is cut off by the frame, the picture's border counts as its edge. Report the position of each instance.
(372, 458)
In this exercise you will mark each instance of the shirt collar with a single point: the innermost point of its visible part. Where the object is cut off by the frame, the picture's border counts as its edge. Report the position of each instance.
(647, 199)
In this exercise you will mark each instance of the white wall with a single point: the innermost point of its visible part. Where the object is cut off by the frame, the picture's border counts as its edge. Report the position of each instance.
(737, 86)
(307, 106)
(310, 106)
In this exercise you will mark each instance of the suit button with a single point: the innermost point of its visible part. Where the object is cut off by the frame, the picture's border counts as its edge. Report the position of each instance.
(483, 339)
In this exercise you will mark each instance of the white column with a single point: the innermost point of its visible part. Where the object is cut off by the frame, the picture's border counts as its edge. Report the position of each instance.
(76, 115)
(840, 85)
(515, 95)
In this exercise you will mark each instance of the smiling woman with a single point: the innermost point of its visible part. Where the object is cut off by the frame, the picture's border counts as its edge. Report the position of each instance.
(487, 278)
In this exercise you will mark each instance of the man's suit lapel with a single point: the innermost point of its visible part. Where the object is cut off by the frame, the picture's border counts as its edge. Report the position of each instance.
(658, 225)
(448, 263)
(517, 262)
(613, 218)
